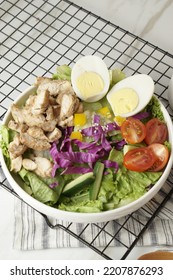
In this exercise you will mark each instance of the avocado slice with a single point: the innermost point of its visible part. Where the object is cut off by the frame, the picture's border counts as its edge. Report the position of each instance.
(78, 184)
(98, 172)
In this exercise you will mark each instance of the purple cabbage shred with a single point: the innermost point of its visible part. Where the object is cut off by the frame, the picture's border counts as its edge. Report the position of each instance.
(88, 153)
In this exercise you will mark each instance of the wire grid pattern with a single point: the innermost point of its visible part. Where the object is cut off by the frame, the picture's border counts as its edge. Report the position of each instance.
(36, 36)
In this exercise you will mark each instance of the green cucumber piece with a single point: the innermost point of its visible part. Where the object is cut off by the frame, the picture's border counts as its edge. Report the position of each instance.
(78, 184)
(98, 172)
(128, 148)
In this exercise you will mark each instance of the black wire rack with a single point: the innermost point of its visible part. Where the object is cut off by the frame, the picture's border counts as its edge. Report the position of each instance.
(36, 36)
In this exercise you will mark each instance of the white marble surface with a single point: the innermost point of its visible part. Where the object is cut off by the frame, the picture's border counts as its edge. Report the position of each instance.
(151, 20)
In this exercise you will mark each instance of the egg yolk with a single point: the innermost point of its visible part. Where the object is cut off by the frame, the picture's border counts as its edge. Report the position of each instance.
(90, 84)
(123, 101)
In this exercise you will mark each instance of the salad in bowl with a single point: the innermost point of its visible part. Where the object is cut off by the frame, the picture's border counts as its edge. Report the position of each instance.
(87, 144)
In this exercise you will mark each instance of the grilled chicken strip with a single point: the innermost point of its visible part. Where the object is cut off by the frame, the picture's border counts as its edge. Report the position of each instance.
(16, 148)
(54, 135)
(37, 132)
(19, 127)
(17, 114)
(16, 164)
(44, 167)
(29, 164)
(36, 122)
(54, 87)
(67, 102)
(41, 103)
(34, 143)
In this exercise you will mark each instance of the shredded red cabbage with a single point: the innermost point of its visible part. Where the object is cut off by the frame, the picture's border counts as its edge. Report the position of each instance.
(112, 126)
(53, 185)
(111, 164)
(118, 144)
(142, 115)
(89, 131)
(78, 157)
(70, 158)
(54, 168)
(75, 161)
(96, 119)
(84, 145)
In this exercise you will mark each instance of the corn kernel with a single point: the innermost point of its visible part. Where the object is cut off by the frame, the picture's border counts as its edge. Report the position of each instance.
(76, 135)
(119, 120)
(80, 119)
(105, 112)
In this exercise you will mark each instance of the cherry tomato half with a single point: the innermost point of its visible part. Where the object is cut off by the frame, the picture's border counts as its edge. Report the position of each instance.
(161, 154)
(156, 132)
(133, 131)
(139, 159)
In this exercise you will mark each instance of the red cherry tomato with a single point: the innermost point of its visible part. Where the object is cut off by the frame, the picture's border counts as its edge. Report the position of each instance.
(156, 132)
(133, 131)
(161, 154)
(139, 159)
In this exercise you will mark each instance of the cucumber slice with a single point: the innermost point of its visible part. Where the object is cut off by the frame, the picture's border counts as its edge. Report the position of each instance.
(128, 148)
(78, 184)
(98, 172)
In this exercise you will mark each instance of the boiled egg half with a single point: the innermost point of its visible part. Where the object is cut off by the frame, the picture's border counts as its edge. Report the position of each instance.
(130, 96)
(90, 78)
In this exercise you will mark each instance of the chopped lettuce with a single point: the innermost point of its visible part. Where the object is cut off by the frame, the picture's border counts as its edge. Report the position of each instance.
(7, 136)
(94, 106)
(5, 140)
(40, 190)
(124, 186)
(63, 72)
(27, 189)
(56, 183)
(116, 75)
(107, 188)
(168, 145)
(154, 107)
(84, 206)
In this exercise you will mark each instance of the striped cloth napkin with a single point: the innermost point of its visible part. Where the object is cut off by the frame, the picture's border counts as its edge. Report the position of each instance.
(31, 231)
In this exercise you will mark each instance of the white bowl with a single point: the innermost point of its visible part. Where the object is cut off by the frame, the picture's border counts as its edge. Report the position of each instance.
(85, 217)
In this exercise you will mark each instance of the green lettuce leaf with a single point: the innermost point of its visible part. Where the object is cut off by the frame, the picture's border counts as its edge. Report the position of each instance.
(116, 75)
(154, 107)
(5, 140)
(85, 206)
(7, 136)
(40, 190)
(121, 188)
(57, 183)
(63, 72)
(107, 188)
(80, 202)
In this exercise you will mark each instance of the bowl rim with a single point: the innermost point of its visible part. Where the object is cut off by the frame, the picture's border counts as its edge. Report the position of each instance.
(87, 217)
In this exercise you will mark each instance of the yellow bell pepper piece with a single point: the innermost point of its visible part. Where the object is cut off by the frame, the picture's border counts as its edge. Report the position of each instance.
(76, 135)
(105, 112)
(119, 120)
(80, 119)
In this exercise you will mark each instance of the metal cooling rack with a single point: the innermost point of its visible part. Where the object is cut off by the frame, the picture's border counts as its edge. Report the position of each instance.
(36, 36)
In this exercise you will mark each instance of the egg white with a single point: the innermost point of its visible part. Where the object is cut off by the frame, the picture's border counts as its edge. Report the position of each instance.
(90, 63)
(142, 84)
